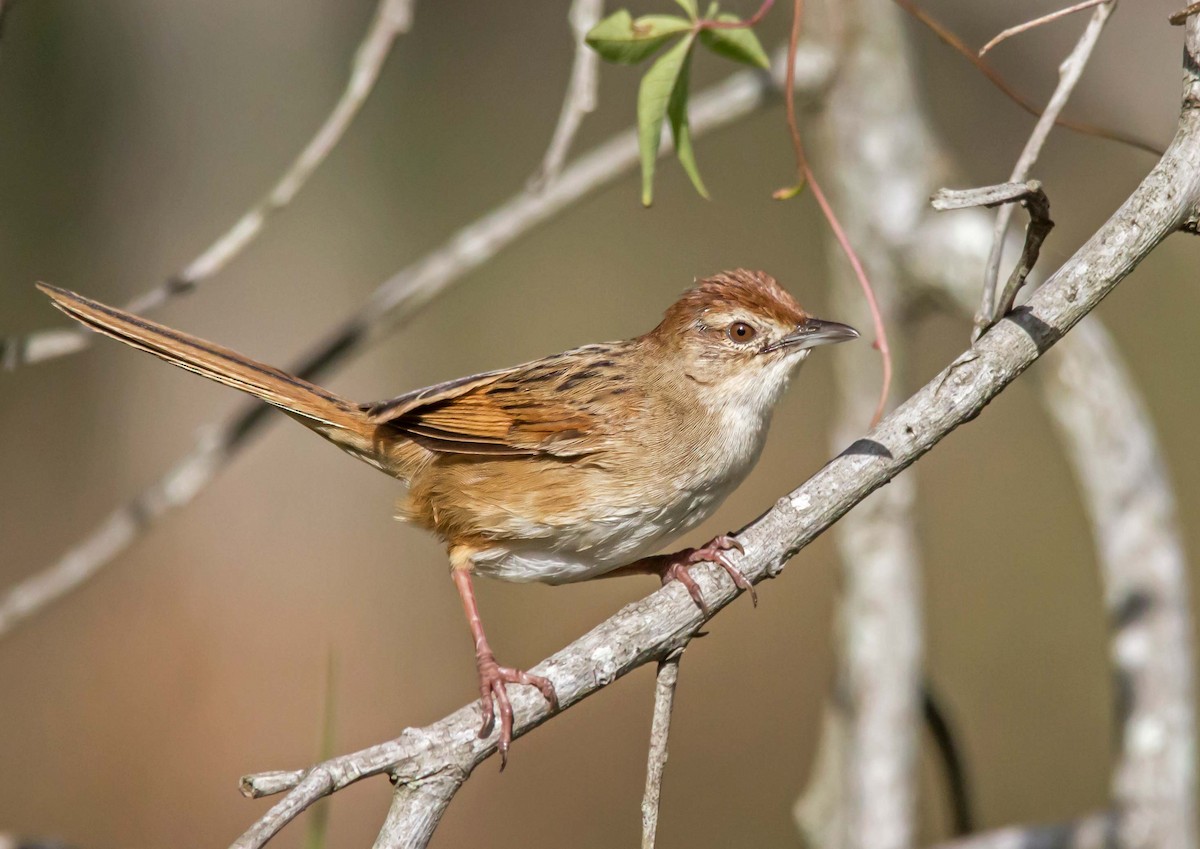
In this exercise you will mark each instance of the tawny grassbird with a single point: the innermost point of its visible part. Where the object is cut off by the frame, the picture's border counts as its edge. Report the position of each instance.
(574, 466)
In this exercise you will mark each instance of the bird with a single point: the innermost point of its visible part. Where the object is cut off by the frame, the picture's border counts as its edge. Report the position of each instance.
(574, 466)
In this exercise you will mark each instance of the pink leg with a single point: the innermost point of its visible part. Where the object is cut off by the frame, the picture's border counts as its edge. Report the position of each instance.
(675, 567)
(494, 678)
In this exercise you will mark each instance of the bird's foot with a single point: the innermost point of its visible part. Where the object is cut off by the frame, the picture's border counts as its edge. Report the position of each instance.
(493, 688)
(675, 567)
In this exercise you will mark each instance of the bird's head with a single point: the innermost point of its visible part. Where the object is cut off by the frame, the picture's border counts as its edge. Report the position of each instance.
(742, 335)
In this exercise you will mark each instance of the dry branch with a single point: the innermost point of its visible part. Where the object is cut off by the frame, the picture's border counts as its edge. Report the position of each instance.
(1004, 35)
(582, 87)
(864, 795)
(665, 681)
(1069, 72)
(1111, 445)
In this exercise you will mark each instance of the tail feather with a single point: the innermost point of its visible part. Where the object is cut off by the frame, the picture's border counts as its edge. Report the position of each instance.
(335, 418)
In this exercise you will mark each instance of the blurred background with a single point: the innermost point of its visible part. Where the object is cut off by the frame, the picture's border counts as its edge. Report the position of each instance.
(134, 132)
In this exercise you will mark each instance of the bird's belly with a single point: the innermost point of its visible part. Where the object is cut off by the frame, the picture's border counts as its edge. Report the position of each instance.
(591, 548)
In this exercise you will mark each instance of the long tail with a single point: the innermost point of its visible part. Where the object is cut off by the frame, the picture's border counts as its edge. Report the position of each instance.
(341, 421)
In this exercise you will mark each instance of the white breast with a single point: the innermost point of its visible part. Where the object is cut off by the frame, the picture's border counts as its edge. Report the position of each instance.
(592, 548)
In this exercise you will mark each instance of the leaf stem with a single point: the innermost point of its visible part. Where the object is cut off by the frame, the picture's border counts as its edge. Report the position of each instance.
(749, 22)
(805, 175)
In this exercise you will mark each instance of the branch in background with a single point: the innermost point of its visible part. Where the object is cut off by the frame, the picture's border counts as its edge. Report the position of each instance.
(1097, 831)
(954, 42)
(392, 304)
(1069, 73)
(436, 759)
(958, 784)
(1031, 196)
(580, 99)
(392, 17)
(864, 793)
(1110, 442)
(805, 176)
(1037, 22)
(1114, 453)
(665, 681)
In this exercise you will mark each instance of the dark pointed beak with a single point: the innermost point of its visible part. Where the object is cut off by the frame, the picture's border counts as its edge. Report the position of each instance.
(813, 332)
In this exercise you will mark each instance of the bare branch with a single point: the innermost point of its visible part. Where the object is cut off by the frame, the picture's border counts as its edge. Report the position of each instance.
(392, 17)
(1180, 18)
(1068, 75)
(660, 729)
(1111, 444)
(649, 629)
(580, 99)
(864, 794)
(417, 808)
(1097, 831)
(1113, 451)
(1031, 196)
(1037, 22)
(263, 784)
(392, 304)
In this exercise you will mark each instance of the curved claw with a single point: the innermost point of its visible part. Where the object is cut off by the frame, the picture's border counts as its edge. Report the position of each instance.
(679, 572)
(714, 552)
(493, 687)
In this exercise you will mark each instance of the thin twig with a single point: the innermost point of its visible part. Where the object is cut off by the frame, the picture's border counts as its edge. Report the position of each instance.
(1029, 195)
(392, 17)
(751, 21)
(805, 176)
(660, 729)
(1180, 18)
(1068, 75)
(1037, 22)
(580, 99)
(392, 304)
(947, 37)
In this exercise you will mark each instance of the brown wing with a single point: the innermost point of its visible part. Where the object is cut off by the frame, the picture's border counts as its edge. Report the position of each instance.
(536, 408)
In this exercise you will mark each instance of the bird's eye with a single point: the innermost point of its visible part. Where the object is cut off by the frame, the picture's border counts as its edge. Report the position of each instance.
(739, 331)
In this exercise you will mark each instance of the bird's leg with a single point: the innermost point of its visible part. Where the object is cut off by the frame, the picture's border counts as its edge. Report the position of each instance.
(494, 678)
(674, 567)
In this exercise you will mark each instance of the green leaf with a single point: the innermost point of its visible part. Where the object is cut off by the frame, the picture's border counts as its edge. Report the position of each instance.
(713, 8)
(689, 6)
(654, 94)
(677, 115)
(621, 39)
(740, 45)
